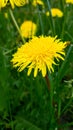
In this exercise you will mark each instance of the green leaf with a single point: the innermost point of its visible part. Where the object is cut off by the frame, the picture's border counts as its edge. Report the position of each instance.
(21, 123)
(65, 65)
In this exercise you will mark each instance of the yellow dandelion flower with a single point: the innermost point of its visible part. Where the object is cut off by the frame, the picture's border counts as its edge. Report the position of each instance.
(3, 3)
(13, 2)
(28, 29)
(39, 54)
(55, 12)
(40, 2)
(69, 1)
(18, 2)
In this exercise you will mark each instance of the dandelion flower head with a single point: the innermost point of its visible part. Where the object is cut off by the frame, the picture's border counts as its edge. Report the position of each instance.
(69, 1)
(55, 12)
(38, 54)
(17, 2)
(28, 29)
(3, 3)
(40, 2)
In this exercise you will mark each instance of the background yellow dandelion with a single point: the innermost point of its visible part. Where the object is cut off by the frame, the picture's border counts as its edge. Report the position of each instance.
(69, 1)
(28, 29)
(55, 12)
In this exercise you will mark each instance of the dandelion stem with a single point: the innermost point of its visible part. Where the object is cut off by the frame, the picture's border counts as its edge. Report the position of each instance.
(47, 81)
(50, 88)
(16, 25)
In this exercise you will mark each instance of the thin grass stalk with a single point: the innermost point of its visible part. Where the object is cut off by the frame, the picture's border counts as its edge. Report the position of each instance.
(15, 23)
(41, 21)
(67, 105)
(12, 125)
(52, 25)
(64, 21)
